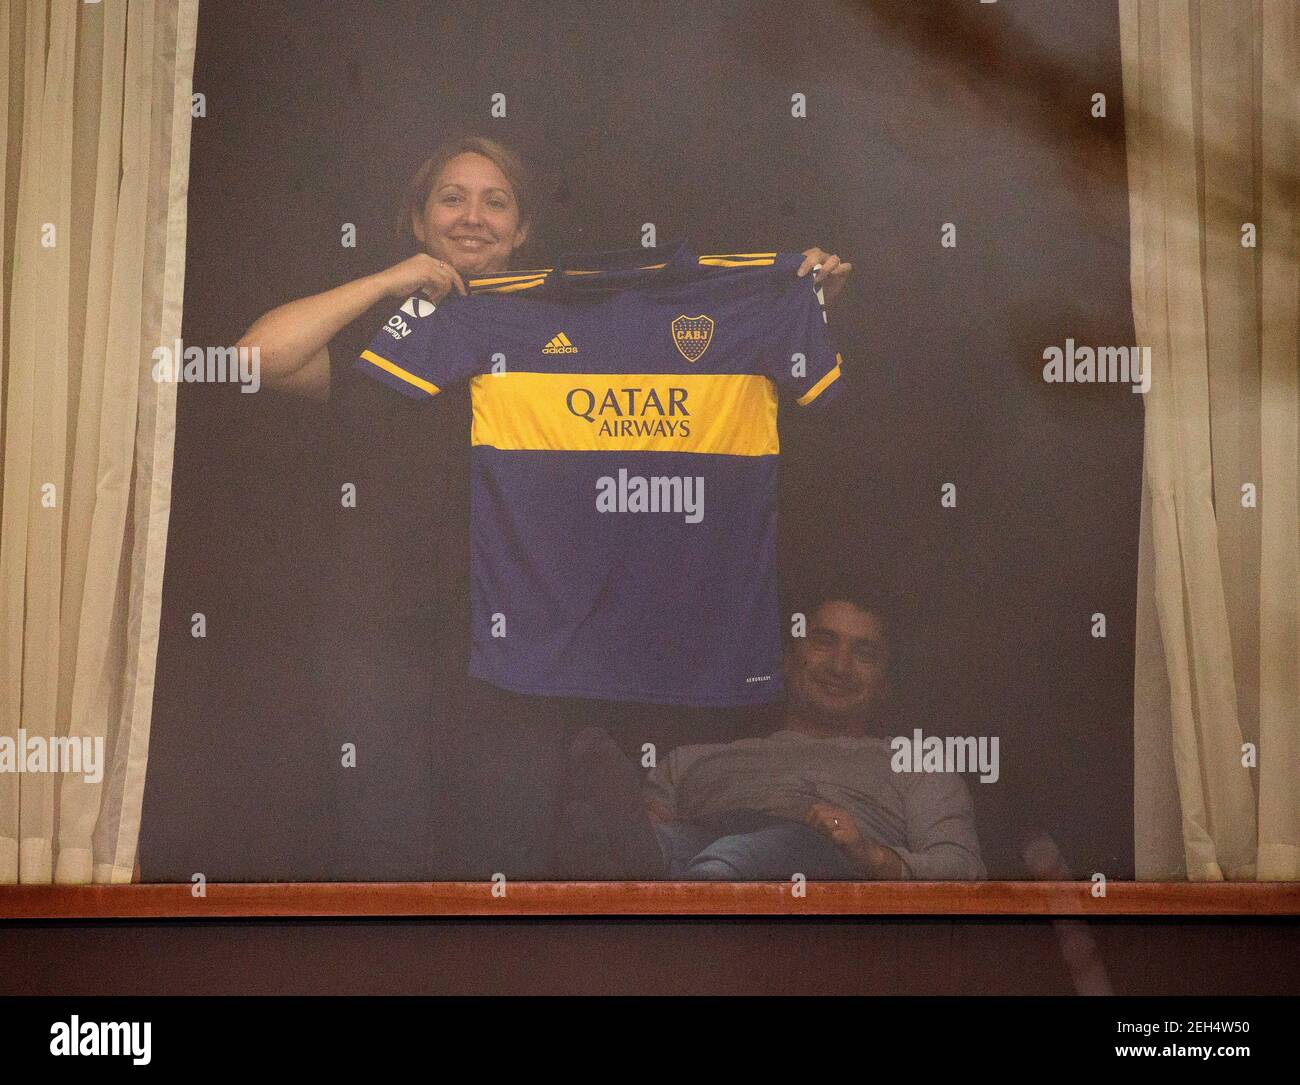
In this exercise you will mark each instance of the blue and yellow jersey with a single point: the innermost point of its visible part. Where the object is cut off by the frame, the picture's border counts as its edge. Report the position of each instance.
(623, 491)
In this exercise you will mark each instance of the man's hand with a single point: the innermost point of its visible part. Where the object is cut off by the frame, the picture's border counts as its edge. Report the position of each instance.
(836, 823)
(874, 860)
(833, 273)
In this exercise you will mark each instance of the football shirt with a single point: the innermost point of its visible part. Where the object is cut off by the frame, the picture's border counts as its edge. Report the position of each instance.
(623, 464)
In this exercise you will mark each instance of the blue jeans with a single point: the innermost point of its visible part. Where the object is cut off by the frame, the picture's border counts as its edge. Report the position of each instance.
(749, 846)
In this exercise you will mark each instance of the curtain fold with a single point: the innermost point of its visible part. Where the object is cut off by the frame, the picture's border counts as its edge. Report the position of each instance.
(93, 283)
(1211, 92)
(1279, 617)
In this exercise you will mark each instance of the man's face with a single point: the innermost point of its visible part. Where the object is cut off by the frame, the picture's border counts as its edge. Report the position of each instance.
(837, 672)
(471, 219)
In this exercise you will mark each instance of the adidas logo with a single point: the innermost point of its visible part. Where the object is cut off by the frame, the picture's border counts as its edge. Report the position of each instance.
(559, 344)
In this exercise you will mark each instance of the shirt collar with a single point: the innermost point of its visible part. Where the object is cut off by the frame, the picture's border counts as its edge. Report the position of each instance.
(616, 268)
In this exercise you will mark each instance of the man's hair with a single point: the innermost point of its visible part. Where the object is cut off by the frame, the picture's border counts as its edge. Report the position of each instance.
(421, 184)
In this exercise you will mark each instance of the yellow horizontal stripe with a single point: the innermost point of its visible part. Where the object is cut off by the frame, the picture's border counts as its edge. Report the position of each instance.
(817, 389)
(399, 372)
(489, 280)
(607, 271)
(721, 413)
(719, 261)
(510, 288)
(542, 272)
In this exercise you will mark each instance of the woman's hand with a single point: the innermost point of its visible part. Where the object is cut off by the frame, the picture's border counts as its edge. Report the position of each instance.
(833, 271)
(420, 273)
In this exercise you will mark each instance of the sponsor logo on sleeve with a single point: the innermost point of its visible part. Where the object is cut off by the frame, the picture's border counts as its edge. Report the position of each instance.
(418, 307)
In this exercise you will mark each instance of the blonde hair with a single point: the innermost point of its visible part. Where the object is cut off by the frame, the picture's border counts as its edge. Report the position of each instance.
(421, 184)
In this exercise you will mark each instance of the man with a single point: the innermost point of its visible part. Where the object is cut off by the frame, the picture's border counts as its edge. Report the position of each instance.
(818, 797)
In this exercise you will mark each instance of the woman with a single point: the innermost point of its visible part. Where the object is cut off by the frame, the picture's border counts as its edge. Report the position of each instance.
(468, 209)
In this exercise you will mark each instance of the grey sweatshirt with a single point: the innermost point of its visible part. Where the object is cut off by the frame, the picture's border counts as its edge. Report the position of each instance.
(927, 818)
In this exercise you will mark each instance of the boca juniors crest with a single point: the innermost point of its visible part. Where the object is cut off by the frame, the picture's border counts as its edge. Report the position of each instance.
(692, 335)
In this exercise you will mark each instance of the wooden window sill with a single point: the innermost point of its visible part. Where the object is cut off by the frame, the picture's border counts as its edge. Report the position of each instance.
(306, 899)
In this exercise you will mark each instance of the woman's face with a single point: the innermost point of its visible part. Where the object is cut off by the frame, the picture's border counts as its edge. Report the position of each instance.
(471, 218)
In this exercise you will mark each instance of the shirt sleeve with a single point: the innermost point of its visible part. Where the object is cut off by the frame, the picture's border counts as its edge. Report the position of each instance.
(423, 348)
(941, 840)
(801, 352)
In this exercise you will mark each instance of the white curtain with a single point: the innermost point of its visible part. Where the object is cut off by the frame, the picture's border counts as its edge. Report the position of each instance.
(1212, 122)
(96, 116)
